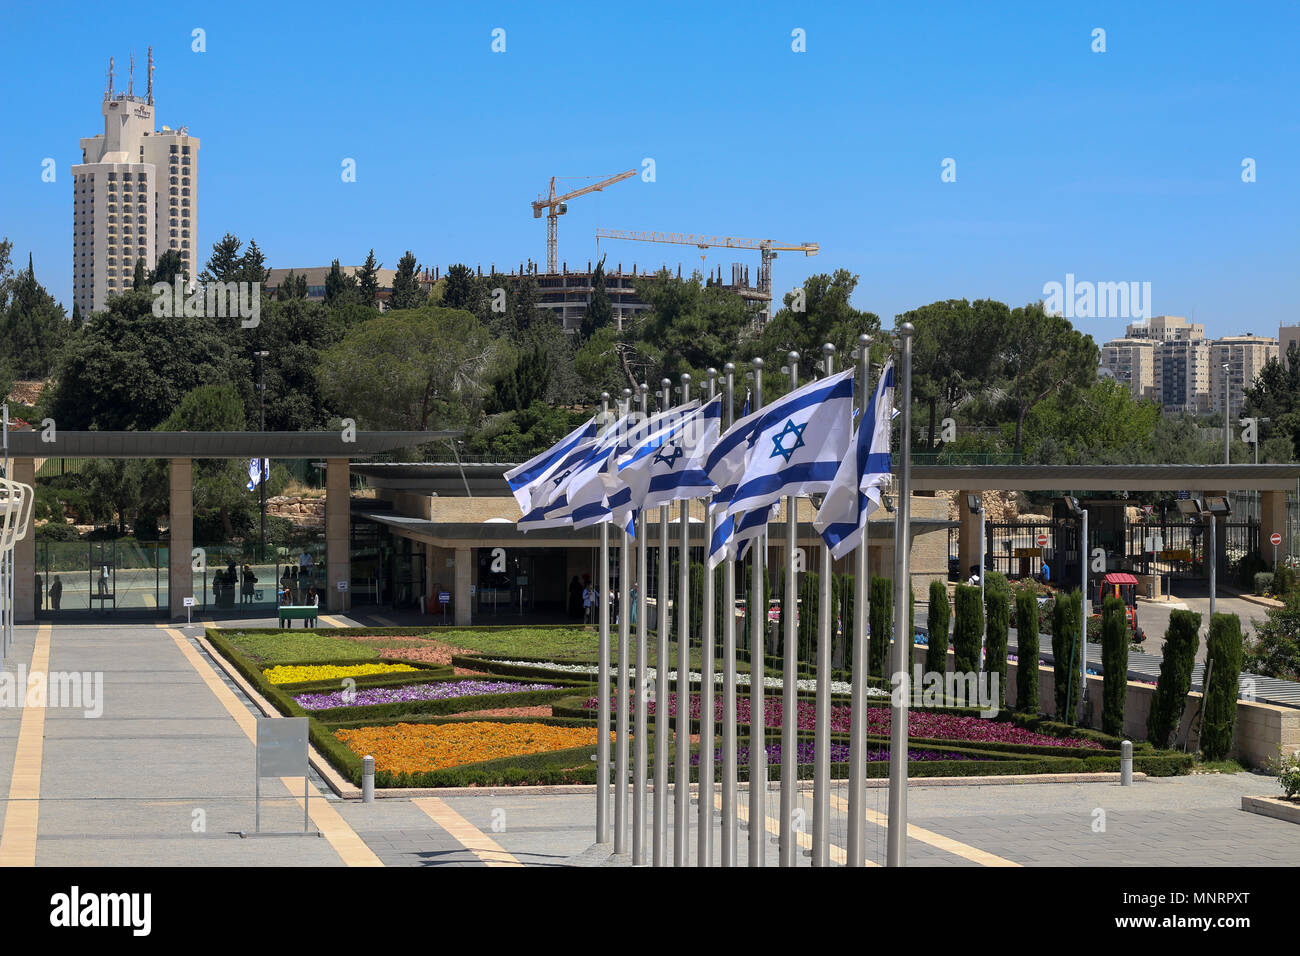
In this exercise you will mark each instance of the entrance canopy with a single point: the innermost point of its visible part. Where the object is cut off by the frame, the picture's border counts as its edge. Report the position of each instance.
(1105, 477)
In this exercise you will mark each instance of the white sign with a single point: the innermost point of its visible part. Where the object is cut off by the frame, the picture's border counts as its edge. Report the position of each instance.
(1275, 538)
(1041, 540)
(343, 585)
(187, 602)
(282, 746)
(1154, 542)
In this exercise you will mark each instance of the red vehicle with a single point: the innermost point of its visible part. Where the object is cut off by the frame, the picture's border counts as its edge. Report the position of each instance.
(1124, 586)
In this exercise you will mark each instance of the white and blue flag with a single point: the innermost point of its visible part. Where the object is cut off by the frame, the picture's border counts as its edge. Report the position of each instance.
(523, 478)
(862, 476)
(669, 464)
(792, 447)
(259, 470)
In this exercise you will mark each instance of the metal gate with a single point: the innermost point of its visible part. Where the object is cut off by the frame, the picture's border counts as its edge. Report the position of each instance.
(1012, 548)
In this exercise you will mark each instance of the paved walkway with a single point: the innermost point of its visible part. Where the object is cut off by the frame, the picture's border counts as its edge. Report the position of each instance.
(158, 769)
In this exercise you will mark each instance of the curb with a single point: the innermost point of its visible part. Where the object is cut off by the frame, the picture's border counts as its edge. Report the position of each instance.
(1276, 807)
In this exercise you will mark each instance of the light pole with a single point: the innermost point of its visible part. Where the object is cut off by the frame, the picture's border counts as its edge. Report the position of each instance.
(1227, 403)
(261, 426)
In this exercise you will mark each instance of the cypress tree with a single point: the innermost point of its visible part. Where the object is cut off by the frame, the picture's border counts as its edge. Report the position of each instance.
(1065, 653)
(1114, 655)
(880, 619)
(968, 625)
(936, 654)
(997, 610)
(1027, 643)
(1223, 648)
(1182, 641)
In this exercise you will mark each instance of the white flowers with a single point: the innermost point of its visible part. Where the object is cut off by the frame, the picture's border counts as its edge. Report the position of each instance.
(742, 679)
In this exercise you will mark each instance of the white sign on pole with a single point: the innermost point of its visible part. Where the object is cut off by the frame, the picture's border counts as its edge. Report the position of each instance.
(187, 602)
(343, 585)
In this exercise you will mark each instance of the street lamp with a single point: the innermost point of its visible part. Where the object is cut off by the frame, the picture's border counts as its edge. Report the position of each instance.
(1227, 407)
(261, 425)
(976, 505)
(1081, 513)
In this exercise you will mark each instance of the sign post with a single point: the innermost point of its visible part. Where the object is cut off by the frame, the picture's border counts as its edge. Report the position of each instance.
(189, 610)
(343, 594)
(1276, 539)
(281, 752)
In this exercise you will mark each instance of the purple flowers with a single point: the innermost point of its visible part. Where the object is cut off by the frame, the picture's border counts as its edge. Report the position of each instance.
(839, 754)
(442, 690)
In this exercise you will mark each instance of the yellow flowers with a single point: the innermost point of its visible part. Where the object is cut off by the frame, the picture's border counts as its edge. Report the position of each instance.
(419, 747)
(299, 673)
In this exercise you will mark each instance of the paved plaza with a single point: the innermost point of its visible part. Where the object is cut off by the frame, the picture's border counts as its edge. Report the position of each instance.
(164, 775)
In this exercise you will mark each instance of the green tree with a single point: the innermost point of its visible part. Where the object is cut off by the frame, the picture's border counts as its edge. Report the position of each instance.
(139, 281)
(1098, 423)
(1275, 396)
(340, 287)
(292, 287)
(599, 313)
(1027, 652)
(688, 327)
(33, 327)
(225, 264)
(170, 265)
(997, 612)
(1275, 651)
(818, 313)
(252, 265)
(461, 290)
(1223, 654)
(1041, 355)
(880, 627)
(407, 293)
(218, 483)
(946, 372)
(368, 280)
(967, 629)
(113, 488)
(1182, 640)
(1114, 655)
(412, 369)
(936, 652)
(809, 609)
(1066, 613)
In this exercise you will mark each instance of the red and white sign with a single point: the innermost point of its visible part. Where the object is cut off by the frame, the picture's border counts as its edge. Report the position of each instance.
(1275, 538)
(1041, 540)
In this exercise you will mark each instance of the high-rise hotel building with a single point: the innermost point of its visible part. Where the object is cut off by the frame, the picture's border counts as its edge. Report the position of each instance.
(134, 197)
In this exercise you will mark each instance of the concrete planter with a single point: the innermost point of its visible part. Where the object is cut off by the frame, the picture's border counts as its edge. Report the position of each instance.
(1277, 807)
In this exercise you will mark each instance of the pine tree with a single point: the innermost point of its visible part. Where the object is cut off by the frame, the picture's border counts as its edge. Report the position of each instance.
(225, 264)
(340, 287)
(252, 265)
(599, 313)
(368, 280)
(407, 293)
(138, 282)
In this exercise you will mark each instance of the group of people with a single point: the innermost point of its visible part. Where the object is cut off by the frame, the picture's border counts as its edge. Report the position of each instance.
(584, 601)
(55, 592)
(226, 583)
(297, 587)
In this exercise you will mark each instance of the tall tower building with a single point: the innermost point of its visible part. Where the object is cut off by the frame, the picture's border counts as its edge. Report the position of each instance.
(134, 196)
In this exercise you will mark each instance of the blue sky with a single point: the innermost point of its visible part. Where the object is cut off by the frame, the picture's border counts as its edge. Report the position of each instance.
(1115, 166)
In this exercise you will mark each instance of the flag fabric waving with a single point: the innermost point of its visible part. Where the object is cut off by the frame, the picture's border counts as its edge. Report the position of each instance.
(259, 470)
(862, 476)
(523, 478)
(668, 465)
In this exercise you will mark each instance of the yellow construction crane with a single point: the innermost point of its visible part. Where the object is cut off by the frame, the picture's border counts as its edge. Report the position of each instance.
(768, 248)
(555, 207)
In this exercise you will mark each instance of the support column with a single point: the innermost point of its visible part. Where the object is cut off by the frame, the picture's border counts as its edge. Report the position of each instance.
(23, 470)
(1272, 517)
(969, 545)
(338, 516)
(180, 574)
(461, 601)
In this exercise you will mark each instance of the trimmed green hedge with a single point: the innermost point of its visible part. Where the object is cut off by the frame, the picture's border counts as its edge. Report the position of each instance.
(1182, 640)
(1065, 655)
(1027, 664)
(936, 652)
(967, 629)
(1114, 656)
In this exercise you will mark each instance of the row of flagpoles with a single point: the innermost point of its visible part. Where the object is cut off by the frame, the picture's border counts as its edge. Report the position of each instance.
(616, 466)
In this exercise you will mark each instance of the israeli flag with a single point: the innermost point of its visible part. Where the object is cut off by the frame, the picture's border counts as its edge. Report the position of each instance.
(669, 465)
(523, 478)
(733, 532)
(792, 447)
(548, 495)
(259, 470)
(862, 476)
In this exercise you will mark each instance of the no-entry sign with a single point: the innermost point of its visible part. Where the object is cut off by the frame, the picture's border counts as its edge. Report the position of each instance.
(1275, 538)
(1041, 540)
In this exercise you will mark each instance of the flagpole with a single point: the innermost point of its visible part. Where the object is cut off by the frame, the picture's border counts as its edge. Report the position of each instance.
(790, 673)
(682, 781)
(602, 689)
(704, 852)
(642, 683)
(620, 743)
(662, 721)
(897, 832)
(729, 827)
(858, 692)
(756, 616)
(822, 731)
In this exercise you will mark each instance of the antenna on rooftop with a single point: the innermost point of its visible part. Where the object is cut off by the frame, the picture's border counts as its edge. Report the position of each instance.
(130, 80)
(109, 93)
(151, 76)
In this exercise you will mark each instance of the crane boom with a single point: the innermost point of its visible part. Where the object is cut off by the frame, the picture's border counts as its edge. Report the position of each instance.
(554, 206)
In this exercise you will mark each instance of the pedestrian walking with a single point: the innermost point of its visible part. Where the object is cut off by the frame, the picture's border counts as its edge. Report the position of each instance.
(56, 593)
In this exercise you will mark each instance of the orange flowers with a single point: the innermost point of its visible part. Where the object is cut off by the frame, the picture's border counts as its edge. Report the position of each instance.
(419, 747)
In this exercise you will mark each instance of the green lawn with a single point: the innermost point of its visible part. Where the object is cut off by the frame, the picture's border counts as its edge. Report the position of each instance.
(290, 645)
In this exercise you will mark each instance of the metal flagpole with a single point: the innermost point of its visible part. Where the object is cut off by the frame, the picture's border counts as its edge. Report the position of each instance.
(602, 680)
(642, 682)
(897, 833)
(662, 722)
(620, 744)
(704, 851)
(790, 671)
(729, 821)
(822, 731)
(756, 617)
(682, 774)
(858, 691)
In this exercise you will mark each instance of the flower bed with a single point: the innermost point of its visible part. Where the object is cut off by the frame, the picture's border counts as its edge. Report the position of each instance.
(920, 723)
(301, 673)
(442, 690)
(415, 748)
(805, 751)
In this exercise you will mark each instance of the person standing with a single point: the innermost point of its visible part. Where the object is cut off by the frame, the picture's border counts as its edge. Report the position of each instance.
(249, 584)
(632, 610)
(575, 597)
(589, 598)
(56, 593)
(40, 593)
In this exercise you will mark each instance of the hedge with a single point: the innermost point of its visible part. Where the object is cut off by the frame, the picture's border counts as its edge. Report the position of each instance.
(967, 629)
(1027, 662)
(1223, 650)
(1114, 655)
(1065, 654)
(1182, 640)
(997, 609)
(880, 617)
(1263, 582)
(936, 652)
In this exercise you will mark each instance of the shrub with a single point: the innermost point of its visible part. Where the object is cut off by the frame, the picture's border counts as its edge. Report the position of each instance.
(998, 615)
(1250, 565)
(936, 654)
(1223, 648)
(1264, 581)
(881, 621)
(1027, 668)
(57, 531)
(1283, 580)
(967, 629)
(1275, 651)
(1287, 768)
(1114, 655)
(1182, 640)
(1065, 653)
